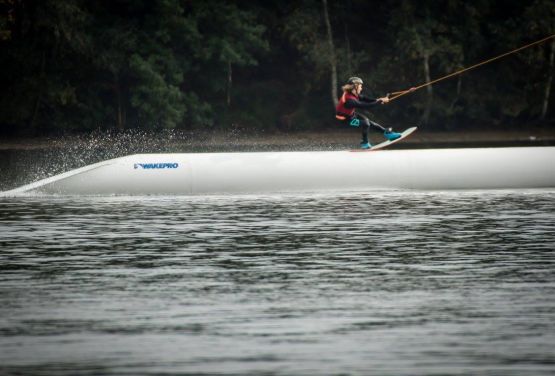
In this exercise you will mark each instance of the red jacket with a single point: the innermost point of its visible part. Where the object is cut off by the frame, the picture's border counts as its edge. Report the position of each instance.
(342, 112)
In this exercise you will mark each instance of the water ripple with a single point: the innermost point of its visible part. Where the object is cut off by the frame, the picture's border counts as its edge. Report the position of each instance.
(384, 283)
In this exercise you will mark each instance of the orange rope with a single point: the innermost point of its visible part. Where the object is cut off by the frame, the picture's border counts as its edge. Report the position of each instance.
(401, 93)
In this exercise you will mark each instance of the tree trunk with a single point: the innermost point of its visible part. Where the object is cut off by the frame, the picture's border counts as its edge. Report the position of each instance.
(429, 89)
(38, 99)
(347, 39)
(120, 105)
(348, 48)
(18, 11)
(229, 81)
(549, 81)
(332, 57)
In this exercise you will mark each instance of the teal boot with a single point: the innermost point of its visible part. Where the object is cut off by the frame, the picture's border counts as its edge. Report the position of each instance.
(390, 135)
(365, 145)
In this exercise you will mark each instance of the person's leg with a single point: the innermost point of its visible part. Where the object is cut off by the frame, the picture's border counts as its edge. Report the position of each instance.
(377, 126)
(362, 121)
(358, 120)
(365, 125)
(387, 132)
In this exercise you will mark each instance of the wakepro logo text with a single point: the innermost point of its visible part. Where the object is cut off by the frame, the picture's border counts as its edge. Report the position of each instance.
(151, 166)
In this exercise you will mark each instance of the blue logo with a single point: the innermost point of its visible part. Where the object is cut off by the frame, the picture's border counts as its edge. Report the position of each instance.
(150, 166)
(355, 123)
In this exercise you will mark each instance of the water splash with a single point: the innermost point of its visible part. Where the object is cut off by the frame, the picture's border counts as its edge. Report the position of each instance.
(24, 165)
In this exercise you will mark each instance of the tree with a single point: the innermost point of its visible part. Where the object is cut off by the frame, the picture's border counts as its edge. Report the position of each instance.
(421, 36)
(40, 36)
(79, 65)
(122, 64)
(331, 53)
(135, 59)
(230, 37)
(540, 21)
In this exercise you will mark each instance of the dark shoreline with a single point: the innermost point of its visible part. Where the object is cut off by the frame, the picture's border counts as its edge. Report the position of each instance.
(301, 140)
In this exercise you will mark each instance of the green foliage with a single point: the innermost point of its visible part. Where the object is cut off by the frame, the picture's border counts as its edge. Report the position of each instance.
(76, 65)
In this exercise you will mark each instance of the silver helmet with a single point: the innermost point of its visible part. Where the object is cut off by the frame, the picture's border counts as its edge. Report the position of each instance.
(355, 80)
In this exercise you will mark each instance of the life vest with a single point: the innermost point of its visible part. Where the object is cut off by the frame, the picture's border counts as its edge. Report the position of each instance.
(341, 112)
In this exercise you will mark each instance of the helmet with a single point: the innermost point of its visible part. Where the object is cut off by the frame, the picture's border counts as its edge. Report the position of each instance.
(354, 80)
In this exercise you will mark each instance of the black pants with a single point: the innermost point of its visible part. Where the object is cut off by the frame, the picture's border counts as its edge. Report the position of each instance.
(359, 120)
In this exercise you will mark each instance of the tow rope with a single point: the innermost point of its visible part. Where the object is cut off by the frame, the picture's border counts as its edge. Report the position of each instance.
(398, 94)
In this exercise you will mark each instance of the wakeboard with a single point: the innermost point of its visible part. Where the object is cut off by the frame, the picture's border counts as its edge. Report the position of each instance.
(386, 143)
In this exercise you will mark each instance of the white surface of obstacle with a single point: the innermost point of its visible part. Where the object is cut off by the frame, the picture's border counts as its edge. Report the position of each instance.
(266, 172)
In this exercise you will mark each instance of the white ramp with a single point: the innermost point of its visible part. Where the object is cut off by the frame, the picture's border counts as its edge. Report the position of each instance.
(221, 173)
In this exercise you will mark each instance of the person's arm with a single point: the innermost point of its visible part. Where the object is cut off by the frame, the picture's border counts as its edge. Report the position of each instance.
(365, 102)
(381, 100)
(364, 98)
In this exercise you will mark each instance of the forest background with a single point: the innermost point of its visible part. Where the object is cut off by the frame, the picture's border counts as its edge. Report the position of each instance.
(75, 66)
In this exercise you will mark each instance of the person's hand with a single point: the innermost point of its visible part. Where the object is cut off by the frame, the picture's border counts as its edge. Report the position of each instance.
(383, 100)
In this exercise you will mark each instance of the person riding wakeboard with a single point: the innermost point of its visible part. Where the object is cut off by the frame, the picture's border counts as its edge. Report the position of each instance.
(350, 101)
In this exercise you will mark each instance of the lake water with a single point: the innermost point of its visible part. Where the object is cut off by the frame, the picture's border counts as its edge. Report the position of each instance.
(344, 283)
